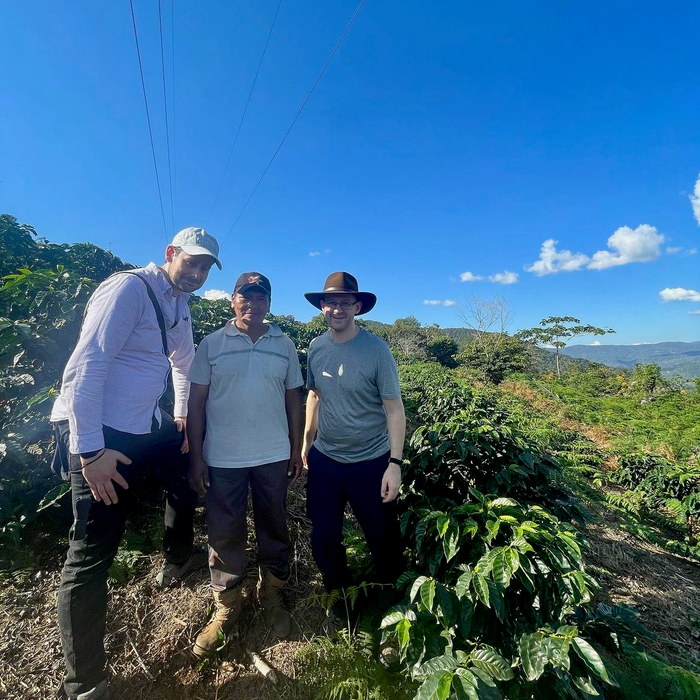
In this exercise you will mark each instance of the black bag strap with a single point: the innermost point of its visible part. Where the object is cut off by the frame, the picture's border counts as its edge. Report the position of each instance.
(156, 308)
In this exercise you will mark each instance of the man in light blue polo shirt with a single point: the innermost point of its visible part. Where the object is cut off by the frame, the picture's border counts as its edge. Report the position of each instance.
(245, 382)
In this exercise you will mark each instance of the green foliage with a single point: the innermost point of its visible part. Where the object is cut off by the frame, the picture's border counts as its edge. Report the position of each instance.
(443, 349)
(347, 669)
(494, 360)
(643, 677)
(556, 331)
(43, 293)
(495, 581)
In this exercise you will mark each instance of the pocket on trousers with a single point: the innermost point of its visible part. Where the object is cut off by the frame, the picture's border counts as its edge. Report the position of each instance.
(81, 514)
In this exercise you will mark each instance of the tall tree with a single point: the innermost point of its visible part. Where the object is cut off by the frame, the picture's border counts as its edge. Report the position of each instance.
(555, 331)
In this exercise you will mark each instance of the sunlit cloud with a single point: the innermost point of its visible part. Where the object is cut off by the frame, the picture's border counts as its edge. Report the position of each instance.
(214, 294)
(673, 251)
(469, 277)
(438, 302)
(314, 254)
(596, 342)
(695, 200)
(552, 260)
(695, 312)
(627, 245)
(679, 294)
(504, 277)
(642, 244)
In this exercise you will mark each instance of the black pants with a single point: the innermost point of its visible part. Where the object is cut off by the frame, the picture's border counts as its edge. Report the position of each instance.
(227, 503)
(97, 531)
(331, 485)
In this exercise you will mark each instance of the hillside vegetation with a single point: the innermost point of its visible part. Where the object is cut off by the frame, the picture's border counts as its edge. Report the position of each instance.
(550, 526)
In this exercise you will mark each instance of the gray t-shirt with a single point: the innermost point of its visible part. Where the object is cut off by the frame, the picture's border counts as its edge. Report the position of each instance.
(352, 379)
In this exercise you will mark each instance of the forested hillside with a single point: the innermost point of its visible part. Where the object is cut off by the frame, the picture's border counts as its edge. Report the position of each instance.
(674, 359)
(550, 526)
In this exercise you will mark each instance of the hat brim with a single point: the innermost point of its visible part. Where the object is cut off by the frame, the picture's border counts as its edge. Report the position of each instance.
(367, 298)
(199, 250)
(247, 287)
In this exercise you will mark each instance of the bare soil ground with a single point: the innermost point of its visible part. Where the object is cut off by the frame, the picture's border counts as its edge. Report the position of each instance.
(151, 630)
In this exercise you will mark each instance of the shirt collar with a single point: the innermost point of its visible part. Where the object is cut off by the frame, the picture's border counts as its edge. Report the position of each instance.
(272, 329)
(163, 283)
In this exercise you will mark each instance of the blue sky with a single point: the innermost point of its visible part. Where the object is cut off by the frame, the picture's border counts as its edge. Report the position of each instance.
(545, 152)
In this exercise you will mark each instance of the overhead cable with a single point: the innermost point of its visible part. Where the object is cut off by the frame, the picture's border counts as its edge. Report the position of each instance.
(172, 94)
(167, 128)
(148, 119)
(298, 114)
(245, 109)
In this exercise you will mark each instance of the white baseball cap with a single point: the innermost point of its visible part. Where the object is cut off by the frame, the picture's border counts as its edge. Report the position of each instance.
(196, 241)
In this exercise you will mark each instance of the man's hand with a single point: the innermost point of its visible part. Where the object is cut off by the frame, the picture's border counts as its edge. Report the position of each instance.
(305, 455)
(101, 471)
(198, 475)
(390, 483)
(181, 425)
(296, 465)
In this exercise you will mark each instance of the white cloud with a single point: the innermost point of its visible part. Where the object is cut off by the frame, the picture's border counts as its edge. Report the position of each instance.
(437, 302)
(694, 313)
(642, 244)
(214, 294)
(679, 294)
(504, 277)
(552, 260)
(695, 200)
(469, 277)
(672, 251)
(595, 342)
(314, 253)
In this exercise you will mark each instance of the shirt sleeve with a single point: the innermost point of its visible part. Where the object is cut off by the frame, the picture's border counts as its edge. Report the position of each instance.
(112, 313)
(310, 381)
(181, 360)
(387, 374)
(200, 370)
(294, 378)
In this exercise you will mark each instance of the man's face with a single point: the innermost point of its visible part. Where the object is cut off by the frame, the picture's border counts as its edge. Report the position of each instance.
(340, 310)
(251, 307)
(187, 273)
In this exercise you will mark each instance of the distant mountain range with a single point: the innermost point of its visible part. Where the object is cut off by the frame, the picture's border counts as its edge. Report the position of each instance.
(675, 359)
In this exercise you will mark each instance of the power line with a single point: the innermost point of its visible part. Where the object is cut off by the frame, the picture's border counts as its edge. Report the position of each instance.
(298, 114)
(172, 92)
(148, 118)
(167, 128)
(245, 109)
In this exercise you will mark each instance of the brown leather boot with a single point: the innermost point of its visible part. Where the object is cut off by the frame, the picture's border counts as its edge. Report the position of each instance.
(224, 621)
(276, 617)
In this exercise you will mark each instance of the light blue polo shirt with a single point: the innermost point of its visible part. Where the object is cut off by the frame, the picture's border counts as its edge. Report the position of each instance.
(246, 418)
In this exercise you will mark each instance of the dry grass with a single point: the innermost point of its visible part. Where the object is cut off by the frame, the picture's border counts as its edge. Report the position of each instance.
(662, 587)
(150, 631)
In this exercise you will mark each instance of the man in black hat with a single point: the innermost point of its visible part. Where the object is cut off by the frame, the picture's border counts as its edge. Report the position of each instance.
(245, 386)
(354, 435)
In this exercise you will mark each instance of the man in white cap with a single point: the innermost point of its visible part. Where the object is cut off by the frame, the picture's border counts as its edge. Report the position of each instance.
(110, 432)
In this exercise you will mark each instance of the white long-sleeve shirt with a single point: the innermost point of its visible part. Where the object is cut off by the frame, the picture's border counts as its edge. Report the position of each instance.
(118, 371)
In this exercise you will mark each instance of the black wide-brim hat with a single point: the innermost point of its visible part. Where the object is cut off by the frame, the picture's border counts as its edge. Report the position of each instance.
(343, 283)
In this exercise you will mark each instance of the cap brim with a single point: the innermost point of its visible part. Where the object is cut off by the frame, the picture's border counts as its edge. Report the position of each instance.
(367, 298)
(199, 250)
(247, 287)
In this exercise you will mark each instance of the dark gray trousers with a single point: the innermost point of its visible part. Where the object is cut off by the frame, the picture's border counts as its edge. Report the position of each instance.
(227, 503)
(97, 531)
